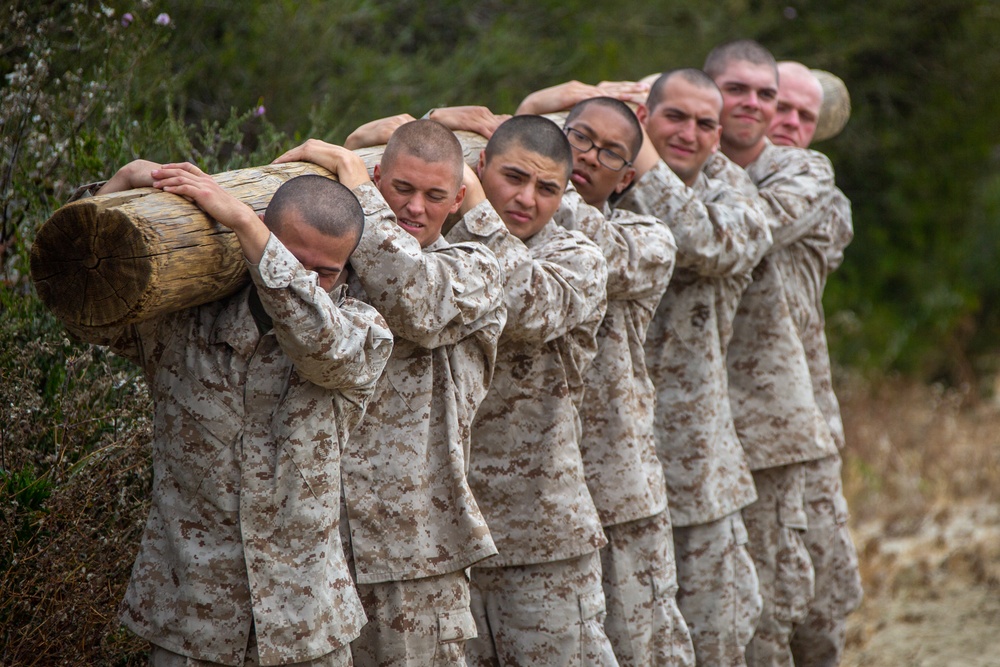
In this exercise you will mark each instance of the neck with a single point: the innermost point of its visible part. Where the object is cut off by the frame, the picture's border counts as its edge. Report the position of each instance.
(743, 156)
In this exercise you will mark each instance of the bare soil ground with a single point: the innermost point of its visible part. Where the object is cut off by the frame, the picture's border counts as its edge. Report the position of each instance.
(922, 473)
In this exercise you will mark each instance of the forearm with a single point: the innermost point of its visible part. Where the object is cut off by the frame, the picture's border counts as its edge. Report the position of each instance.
(332, 343)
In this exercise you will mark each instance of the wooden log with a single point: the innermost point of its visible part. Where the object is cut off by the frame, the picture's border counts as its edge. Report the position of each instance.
(836, 108)
(115, 259)
(120, 258)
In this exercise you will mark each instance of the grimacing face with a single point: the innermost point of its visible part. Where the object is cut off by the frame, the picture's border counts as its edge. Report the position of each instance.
(421, 194)
(524, 187)
(749, 101)
(684, 127)
(607, 130)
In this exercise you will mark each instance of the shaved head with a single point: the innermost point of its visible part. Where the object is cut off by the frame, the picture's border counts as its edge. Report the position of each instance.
(429, 141)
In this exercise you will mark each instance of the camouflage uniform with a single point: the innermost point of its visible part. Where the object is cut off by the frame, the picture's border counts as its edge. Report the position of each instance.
(775, 413)
(720, 237)
(414, 524)
(539, 601)
(819, 639)
(242, 534)
(619, 456)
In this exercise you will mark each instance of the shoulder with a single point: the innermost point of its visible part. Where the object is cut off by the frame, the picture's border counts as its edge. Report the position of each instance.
(777, 162)
(566, 247)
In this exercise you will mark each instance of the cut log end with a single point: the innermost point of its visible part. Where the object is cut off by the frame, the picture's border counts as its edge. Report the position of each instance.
(90, 264)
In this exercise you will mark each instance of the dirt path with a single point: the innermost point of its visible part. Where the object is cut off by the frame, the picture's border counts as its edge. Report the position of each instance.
(922, 476)
(933, 597)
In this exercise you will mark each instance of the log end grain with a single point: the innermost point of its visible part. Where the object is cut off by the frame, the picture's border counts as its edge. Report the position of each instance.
(90, 264)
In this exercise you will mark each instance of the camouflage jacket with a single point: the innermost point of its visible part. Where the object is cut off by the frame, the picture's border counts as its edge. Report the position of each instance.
(720, 236)
(410, 511)
(247, 435)
(775, 413)
(619, 455)
(804, 267)
(526, 469)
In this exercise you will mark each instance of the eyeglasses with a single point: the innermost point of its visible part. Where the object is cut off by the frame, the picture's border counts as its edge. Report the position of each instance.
(583, 143)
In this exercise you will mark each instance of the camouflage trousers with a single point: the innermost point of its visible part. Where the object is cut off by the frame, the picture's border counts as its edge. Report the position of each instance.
(548, 614)
(161, 657)
(416, 623)
(818, 640)
(718, 591)
(776, 523)
(640, 585)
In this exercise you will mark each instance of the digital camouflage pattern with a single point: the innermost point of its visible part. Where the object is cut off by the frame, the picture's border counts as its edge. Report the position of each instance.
(776, 524)
(540, 600)
(720, 237)
(247, 432)
(643, 621)
(719, 593)
(416, 623)
(410, 511)
(805, 266)
(619, 454)
(819, 638)
(526, 468)
(161, 657)
(548, 614)
(775, 413)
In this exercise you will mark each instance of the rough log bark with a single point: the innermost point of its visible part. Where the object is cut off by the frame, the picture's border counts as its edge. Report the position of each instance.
(120, 258)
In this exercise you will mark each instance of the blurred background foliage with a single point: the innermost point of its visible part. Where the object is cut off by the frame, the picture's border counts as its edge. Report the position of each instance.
(919, 158)
(88, 86)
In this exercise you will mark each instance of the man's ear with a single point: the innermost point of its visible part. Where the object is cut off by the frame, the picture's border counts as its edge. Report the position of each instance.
(627, 177)
(459, 198)
(376, 175)
(481, 166)
(642, 113)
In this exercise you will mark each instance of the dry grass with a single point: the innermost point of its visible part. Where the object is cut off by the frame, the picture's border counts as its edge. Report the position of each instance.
(61, 594)
(922, 476)
(912, 448)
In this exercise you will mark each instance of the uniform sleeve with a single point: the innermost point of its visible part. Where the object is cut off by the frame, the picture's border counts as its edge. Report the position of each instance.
(431, 298)
(639, 249)
(794, 186)
(548, 292)
(841, 229)
(333, 341)
(724, 234)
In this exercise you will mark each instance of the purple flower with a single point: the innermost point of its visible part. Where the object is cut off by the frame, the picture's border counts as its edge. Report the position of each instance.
(127, 18)
(259, 111)
(162, 19)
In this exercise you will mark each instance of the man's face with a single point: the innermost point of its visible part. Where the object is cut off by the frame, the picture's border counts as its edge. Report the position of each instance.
(799, 100)
(609, 132)
(749, 100)
(326, 255)
(420, 194)
(684, 127)
(524, 187)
